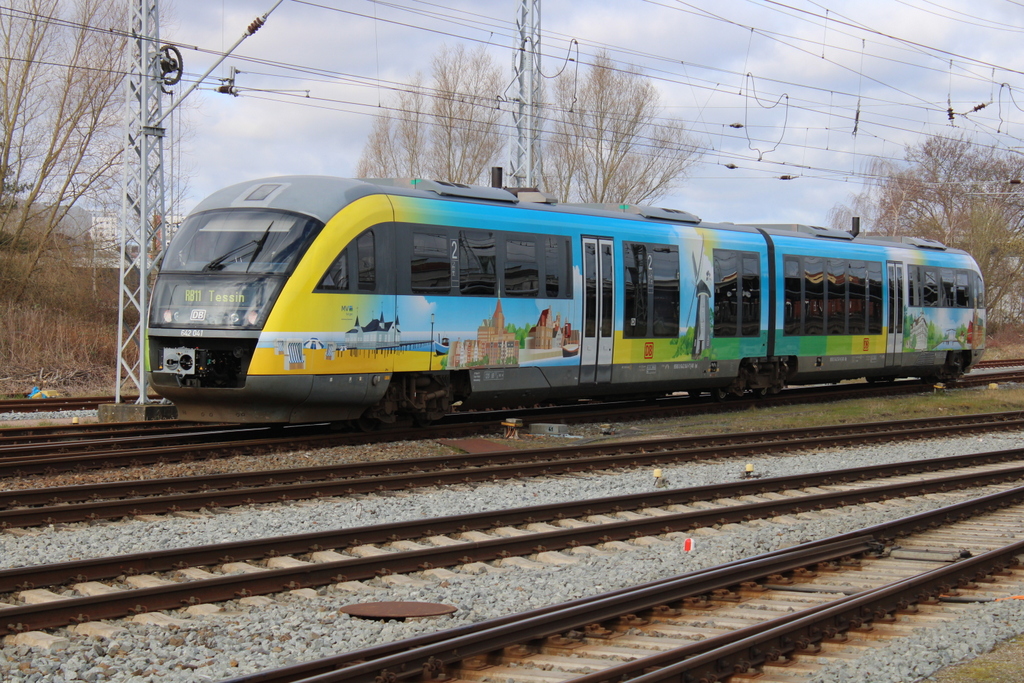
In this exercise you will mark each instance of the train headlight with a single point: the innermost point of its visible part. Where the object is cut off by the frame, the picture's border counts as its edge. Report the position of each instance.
(234, 319)
(251, 317)
(168, 316)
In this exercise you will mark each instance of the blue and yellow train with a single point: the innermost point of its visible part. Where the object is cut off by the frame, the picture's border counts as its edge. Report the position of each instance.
(306, 298)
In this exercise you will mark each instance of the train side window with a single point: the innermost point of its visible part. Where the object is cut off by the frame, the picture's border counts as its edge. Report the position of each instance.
(367, 261)
(521, 272)
(431, 265)
(793, 314)
(875, 297)
(837, 306)
(634, 314)
(948, 279)
(557, 268)
(856, 288)
(336, 277)
(727, 276)
(979, 291)
(930, 287)
(607, 294)
(590, 289)
(814, 295)
(665, 275)
(962, 290)
(477, 263)
(750, 295)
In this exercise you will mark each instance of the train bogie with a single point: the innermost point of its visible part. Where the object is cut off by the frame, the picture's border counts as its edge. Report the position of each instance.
(303, 299)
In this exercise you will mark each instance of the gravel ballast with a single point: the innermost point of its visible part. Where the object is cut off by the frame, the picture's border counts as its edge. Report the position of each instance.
(48, 415)
(246, 638)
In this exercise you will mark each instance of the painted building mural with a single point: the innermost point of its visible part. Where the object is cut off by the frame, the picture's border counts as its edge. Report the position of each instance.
(943, 329)
(499, 343)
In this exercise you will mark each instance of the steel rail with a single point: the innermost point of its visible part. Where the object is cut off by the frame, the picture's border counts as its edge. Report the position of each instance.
(73, 610)
(13, 438)
(17, 460)
(428, 656)
(799, 393)
(15, 451)
(749, 648)
(65, 504)
(1007, 363)
(166, 560)
(12, 465)
(20, 456)
(183, 435)
(56, 403)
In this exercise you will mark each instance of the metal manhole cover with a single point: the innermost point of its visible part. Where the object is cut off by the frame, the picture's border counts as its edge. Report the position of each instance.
(397, 610)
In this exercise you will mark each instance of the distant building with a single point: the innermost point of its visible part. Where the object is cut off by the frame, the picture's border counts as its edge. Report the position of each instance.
(105, 234)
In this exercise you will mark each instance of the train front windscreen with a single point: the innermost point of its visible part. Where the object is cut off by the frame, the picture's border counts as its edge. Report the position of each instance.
(225, 268)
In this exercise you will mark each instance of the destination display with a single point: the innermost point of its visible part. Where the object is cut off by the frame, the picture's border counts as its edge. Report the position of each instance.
(231, 302)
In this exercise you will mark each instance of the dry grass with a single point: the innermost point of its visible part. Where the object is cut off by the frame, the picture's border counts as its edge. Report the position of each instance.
(1006, 343)
(61, 332)
(55, 350)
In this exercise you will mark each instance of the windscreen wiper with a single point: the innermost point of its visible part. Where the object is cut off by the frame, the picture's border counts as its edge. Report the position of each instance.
(218, 263)
(259, 246)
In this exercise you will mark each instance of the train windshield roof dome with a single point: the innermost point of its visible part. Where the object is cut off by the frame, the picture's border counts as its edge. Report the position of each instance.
(257, 241)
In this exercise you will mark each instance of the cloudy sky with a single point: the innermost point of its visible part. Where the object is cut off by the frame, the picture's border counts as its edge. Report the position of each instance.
(812, 91)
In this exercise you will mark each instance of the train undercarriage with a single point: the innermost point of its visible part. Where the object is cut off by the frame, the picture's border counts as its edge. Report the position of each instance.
(212, 384)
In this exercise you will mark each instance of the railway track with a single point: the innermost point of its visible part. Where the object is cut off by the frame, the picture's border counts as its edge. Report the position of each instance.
(108, 500)
(92, 402)
(811, 574)
(41, 405)
(1005, 363)
(771, 618)
(50, 450)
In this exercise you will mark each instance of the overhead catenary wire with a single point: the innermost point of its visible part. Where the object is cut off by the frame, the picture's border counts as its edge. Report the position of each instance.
(712, 87)
(654, 76)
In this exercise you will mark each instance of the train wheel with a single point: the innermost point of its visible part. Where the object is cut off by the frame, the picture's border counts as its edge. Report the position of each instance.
(719, 394)
(421, 420)
(761, 392)
(365, 423)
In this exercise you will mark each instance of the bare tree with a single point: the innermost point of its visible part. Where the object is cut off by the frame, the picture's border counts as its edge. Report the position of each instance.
(397, 146)
(959, 193)
(608, 143)
(466, 137)
(60, 122)
(449, 131)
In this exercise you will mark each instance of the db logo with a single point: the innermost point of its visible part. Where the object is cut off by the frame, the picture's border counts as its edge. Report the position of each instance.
(648, 350)
(198, 314)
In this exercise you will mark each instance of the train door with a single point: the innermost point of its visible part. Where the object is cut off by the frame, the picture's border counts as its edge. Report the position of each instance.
(897, 305)
(598, 298)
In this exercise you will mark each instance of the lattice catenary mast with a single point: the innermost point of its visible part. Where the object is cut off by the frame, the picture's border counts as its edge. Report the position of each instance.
(143, 232)
(525, 157)
(142, 195)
